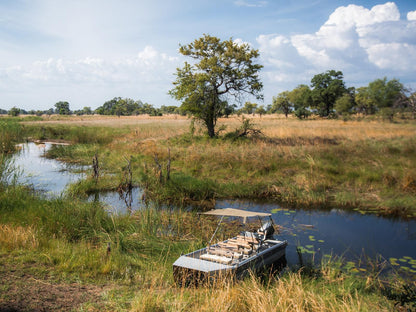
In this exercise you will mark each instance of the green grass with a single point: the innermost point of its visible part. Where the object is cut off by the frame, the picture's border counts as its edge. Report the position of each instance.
(10, 135)
(68, 239)
(358, 164)
(74, 134)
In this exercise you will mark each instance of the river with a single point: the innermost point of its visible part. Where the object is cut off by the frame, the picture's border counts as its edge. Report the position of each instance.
(364, 241)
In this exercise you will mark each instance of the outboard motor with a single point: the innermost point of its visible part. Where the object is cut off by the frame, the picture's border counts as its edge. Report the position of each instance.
(267, 229)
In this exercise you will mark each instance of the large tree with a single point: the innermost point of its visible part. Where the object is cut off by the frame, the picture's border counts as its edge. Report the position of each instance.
(282, 103)
(302, 101)
(385, 93)
(220, 69)
(62, 108)
(326, 89)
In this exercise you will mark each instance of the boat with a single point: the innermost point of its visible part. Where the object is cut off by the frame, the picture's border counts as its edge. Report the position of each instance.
(232, 258)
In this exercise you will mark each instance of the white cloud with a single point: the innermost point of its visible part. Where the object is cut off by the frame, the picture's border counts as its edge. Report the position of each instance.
(354, 39)
(411, 16)
(400, 56)
(148, 70)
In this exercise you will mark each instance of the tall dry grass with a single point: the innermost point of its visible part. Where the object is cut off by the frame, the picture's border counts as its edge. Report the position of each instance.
(291, 292)
(16, 237)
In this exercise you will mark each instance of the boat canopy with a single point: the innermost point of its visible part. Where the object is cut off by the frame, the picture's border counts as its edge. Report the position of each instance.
(232, 212)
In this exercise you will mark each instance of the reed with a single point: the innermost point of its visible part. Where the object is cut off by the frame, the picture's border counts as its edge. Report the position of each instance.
(10, 135)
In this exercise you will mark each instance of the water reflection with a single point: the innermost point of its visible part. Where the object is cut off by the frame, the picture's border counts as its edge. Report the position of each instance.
(43, 174)
(116, 203)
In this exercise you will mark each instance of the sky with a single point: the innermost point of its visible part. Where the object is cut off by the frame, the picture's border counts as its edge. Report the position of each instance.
(87, 52)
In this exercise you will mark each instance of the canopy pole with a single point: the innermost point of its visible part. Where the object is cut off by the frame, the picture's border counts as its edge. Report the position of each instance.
(218, 226)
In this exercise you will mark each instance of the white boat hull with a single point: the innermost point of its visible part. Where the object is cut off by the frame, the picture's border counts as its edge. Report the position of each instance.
(192, 268)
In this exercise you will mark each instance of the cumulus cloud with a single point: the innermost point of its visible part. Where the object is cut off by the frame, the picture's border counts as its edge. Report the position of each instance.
(354, 39)
(92, 69)
(411, 16)
(148, 70)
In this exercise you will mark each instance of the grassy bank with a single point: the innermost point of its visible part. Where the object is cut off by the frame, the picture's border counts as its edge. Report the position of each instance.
(367, 165)
(63, 243)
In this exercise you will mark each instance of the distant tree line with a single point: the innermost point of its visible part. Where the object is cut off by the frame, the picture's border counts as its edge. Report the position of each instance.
(117, 106)
(326, 96)
(128, 107)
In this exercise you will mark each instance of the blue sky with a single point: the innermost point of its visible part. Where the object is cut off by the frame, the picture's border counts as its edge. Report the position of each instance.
(88, 51)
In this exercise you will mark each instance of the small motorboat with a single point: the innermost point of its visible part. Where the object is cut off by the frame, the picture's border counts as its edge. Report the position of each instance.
(233, 258)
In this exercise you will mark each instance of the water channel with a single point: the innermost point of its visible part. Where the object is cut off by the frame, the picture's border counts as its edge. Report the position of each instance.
(312, 234)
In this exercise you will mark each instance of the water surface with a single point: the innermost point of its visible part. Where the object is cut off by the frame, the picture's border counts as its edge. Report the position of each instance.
(313, 234)
(48, 175)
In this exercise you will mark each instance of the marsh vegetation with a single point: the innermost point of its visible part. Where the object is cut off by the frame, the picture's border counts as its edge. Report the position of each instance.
(357, 164)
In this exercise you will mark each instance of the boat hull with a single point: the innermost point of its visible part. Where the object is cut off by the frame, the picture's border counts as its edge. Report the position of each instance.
(189, 269)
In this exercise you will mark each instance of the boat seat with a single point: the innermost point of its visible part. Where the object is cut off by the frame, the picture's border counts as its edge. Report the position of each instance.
(248, 239)
(236, 248)
(219, 251)
(216, 258)
(240, 243)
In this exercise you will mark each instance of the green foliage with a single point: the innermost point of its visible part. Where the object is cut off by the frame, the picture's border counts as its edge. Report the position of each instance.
(326, 89)
(128, 107)
(261, 110)
(366, 104)
(384, 92)
(75, 134)
(10, 135)
(62, 108)
(14, 112)
(344, 105)
(282, 103)
(302, 101)
(85, 111)
(223, 68)
(248, 108)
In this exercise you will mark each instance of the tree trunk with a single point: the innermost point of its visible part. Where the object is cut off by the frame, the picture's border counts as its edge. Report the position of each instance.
(210, 128)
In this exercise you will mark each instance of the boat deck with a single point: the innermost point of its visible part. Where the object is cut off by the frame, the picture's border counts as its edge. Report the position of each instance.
(234, 250)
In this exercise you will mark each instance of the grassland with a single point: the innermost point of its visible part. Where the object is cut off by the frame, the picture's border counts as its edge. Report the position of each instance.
(367, 165)
(58, 248)
(54, 256)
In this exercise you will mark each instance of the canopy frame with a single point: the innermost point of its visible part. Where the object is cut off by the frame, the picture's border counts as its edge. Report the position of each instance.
(232, 212)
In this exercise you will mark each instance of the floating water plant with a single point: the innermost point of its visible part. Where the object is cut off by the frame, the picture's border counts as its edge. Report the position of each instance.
(393, 261)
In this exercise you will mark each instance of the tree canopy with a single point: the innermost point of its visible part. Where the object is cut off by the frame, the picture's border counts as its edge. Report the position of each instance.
(126, 107)
(326, 89)
(220, 69)
(281, 103)
(62, 108)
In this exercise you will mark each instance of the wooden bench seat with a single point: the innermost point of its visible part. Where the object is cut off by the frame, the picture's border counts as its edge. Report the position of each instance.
(236, 248)
(219, 251)
(216, 258)
(247, 239)
(239, 243)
